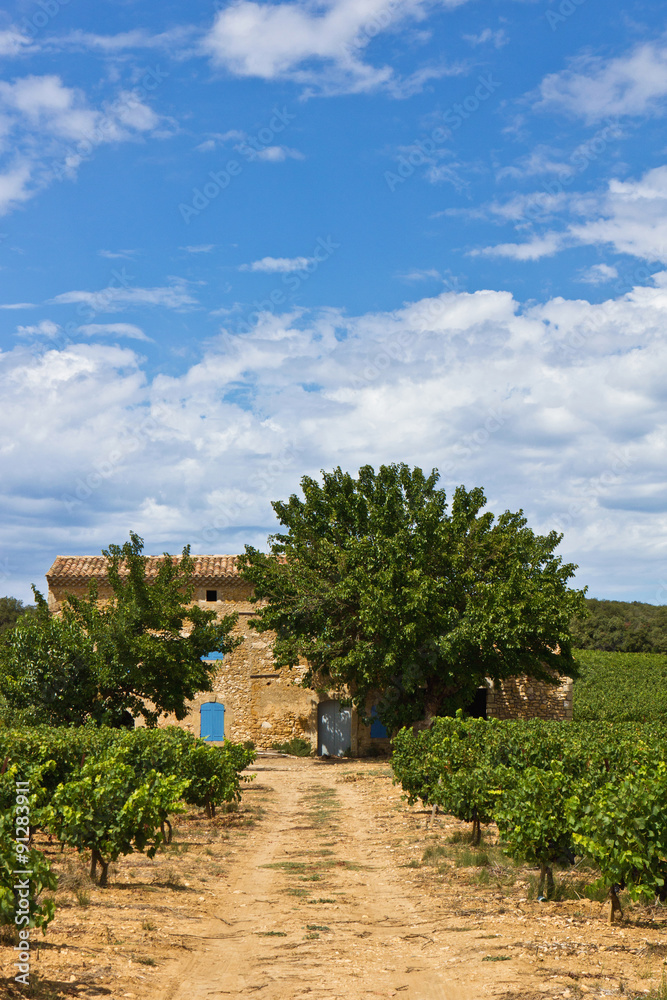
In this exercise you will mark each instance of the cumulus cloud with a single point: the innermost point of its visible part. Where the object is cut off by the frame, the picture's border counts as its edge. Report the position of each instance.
(284, 40)
(593, 88)
(556, 407)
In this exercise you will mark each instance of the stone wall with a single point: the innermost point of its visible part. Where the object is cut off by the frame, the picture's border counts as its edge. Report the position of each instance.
(527, 698)
(262, 703)
(268, 705)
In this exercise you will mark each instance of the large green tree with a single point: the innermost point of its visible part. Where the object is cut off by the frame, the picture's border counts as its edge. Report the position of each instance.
(382, 588)
(136, 654)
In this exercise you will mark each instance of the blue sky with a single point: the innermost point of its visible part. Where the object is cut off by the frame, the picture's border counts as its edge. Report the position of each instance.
(243, 242)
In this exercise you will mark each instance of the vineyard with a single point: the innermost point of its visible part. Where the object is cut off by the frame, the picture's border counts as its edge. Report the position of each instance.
(557, 793)
(620, 687)
(104, 792)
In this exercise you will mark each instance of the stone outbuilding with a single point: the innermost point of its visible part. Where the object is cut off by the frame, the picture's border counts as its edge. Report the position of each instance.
(254, 700)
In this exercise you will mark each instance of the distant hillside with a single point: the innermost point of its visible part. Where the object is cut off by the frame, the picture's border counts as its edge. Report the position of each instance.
(622, 627)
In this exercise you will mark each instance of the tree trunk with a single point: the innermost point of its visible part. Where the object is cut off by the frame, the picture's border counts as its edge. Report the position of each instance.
(476, 829)
(547, 875)
(96, 859)
(614, 905)
(104, 873)
(167, 836)
(207, 807)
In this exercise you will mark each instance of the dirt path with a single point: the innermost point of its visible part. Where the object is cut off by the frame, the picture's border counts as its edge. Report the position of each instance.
(311, 908)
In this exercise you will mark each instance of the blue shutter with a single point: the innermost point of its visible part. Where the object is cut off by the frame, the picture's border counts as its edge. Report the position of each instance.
(378, 730)
(212, 721)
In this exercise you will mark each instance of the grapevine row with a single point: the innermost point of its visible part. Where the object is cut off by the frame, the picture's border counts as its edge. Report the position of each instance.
(555, 791)
(106, 791)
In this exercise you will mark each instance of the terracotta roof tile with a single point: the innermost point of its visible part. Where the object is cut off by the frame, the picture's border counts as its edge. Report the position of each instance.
(73, 569)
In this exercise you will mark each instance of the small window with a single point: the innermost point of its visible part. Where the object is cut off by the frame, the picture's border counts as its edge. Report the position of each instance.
(211, 595)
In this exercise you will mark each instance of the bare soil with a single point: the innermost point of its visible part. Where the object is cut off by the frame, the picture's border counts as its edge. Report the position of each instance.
(326, 884)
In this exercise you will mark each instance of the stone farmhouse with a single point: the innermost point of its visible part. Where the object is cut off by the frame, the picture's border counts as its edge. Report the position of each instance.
(254, 700)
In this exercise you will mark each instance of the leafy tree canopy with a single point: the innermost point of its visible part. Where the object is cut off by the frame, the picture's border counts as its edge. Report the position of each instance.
(11, 609)
(136, 654)
(386, 591)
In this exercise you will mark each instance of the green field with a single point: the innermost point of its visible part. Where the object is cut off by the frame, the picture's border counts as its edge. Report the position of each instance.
(620, 687)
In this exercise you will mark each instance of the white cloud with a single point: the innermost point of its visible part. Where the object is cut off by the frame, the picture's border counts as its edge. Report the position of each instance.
(14, 187)
(276, 154)
(425, 274)
(592, 88)
(45, 328)
(17, 305)
(541, 160)
(13, 43)
(50, 129)
(113, 298)
(598, 274)
(249, 146)
(118, 254)
(114, 330)
(201, 248)
(533, 249)
(277, 265)
(175, 41)
(496, 38)
(555, 407)
(630, 218)
(283, 40)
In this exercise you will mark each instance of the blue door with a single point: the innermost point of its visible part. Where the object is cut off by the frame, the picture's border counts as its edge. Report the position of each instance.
(212, 721)
(378, 730)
